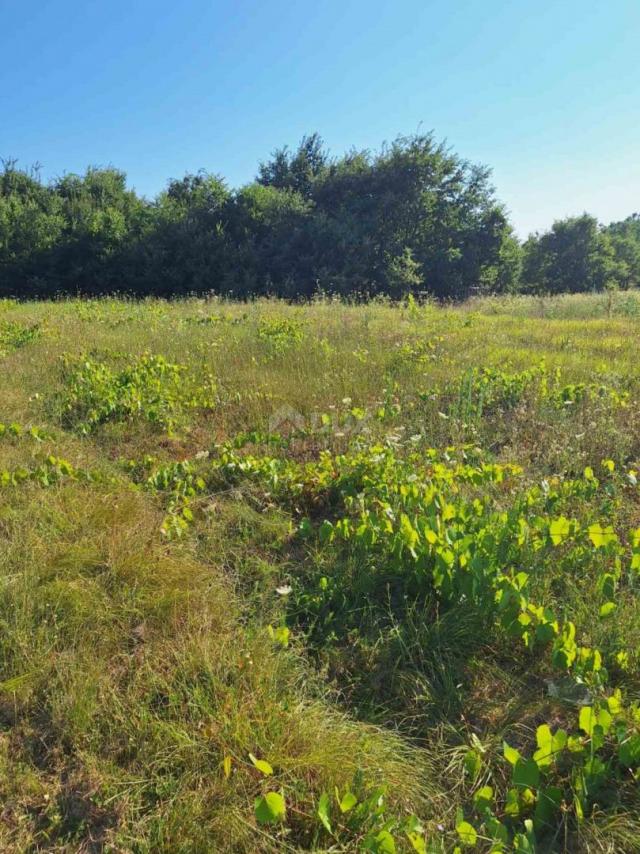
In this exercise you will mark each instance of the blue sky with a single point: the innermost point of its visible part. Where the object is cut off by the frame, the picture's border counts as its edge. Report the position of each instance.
(547, 93)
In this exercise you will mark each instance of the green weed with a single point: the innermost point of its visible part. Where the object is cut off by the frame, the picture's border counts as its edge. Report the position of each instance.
(406, 619)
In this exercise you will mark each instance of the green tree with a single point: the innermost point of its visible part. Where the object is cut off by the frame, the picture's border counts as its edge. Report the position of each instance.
(185, 248)
(575, 255)
(416, 195)
(31, 226)
(625, 238)
(296, 170)
(271, 235)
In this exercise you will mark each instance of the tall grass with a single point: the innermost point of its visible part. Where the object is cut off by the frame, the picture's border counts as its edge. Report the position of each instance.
(133, 664)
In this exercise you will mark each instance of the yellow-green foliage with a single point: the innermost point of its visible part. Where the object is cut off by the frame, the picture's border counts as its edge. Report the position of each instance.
(332, 577)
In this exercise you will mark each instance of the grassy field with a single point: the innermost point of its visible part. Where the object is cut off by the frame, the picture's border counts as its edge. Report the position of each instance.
(320, 578)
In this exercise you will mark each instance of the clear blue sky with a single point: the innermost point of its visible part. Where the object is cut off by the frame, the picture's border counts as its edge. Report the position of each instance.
(546, 92)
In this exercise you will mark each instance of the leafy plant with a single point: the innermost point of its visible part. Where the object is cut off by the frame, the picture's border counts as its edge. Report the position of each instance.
(280, 333)
(14, 335)
(150, 389)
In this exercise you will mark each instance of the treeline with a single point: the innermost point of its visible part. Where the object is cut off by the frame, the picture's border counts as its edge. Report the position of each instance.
(413, 217)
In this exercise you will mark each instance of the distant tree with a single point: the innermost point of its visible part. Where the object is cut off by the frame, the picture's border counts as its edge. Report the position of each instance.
(297, 170)
(32, 226)
(403, 274)
(504, 275)
(416, 196)
(411, 217)
(625, 238)
(185, 250)
(271, 234)
(575, 255)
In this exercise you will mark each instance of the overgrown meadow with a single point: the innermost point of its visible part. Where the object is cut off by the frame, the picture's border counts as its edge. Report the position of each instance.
(320, 578)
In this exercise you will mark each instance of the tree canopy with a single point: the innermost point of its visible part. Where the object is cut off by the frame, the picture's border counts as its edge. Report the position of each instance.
(411, 217)
(575, 255)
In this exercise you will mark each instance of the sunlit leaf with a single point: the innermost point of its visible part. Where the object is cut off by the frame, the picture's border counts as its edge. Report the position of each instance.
(323, 811)
(270, 808)
(467, 833)
(262, 765)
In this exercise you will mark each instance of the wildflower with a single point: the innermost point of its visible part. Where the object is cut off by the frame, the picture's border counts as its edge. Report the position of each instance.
(284, 590)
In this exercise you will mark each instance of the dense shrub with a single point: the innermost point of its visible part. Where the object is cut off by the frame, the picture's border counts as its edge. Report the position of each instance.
(412, 217)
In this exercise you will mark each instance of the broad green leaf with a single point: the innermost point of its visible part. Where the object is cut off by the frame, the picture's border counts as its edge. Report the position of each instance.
(385, 843)
(497, 831)
(587, 719)
(323, 811)
(543, 757)
(547, 804)
(512, 805)
(629, 752)
(559, 740)
(483, 798)
(559, 530)
(601, 537)
(527, 798)
(472, 763)
(280, 635)
(614, 702)
(270, 808)
(408, 534)
(262, 765)
(607, 609)
(326, 531)
(510, 753)
(417, 842)
(526, 774)
(607, 585)
(467, 833)
(546, 631)
(590, 719)
(622, 659)
(226, 766)
(605, 720)
(522, 844)
(575, 744)
(544, 736)
(565, 647)
(347, 802)
(549, 745)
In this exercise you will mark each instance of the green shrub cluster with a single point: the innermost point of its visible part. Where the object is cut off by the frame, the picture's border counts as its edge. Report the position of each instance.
(151, 389)
(435, 532)
(411, 218)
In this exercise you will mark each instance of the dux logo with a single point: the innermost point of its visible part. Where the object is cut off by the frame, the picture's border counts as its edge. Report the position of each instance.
(286, 418)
